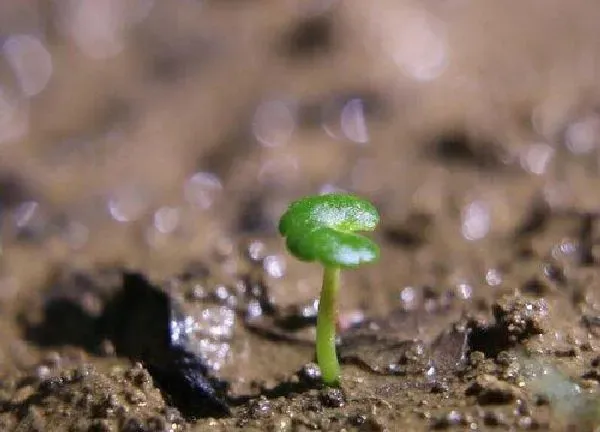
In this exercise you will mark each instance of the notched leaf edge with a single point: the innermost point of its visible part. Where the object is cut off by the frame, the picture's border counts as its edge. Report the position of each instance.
(330, 238)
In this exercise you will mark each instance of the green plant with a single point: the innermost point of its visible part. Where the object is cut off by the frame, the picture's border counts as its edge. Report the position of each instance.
(323, 228)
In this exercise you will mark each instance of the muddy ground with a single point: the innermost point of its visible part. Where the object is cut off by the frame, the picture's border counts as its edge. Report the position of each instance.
(148, 149)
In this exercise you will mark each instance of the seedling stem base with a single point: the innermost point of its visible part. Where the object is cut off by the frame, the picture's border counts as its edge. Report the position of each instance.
(326, 319)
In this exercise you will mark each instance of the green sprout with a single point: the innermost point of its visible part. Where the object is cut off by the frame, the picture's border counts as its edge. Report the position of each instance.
(323, 228)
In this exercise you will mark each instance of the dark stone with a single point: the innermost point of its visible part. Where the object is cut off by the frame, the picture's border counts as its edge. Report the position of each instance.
(137, 320)
(139, 323)
(310, 374)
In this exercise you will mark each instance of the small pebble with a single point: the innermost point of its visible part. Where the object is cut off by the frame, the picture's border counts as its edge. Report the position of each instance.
(358, 419)
(310, 374)
(440, 387)
(259, 408)
(332, 397)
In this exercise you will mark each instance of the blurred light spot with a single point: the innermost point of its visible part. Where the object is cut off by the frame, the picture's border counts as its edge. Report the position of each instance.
(476, 220)
(311, 309)
(583, 136)
(274, 123)
(568, 247)
(493, 277)
(96, 27)
(13, 117)
(253, 310)
(30, 221)
(279, 170)
(198, 292)
(536, 158)
(464, 290)
(257, 250)
(24, 213)
(417, 42)
(30, 61)
(274, 266)
(353, 123)
(349, 319)
(221, 292)
(430, 372)
(202, 189)
(128, 205)
(408, 297)
(565, 248)
(166, 219)
(99, 27)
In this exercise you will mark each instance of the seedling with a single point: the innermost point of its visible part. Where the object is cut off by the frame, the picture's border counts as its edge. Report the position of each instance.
(323, 228)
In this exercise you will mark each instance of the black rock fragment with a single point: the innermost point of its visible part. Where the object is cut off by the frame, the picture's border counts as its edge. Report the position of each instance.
(137, 318)
(138, 321)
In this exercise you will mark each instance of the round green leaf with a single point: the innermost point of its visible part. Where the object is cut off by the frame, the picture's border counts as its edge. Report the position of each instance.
(323, 228)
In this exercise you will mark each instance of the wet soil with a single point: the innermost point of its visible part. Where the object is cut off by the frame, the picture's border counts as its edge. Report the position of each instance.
(143, 286)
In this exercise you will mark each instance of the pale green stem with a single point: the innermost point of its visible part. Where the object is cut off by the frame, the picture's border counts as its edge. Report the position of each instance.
(326, 323)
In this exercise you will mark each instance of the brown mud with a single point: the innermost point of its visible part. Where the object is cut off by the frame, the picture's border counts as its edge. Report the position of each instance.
(148, 149)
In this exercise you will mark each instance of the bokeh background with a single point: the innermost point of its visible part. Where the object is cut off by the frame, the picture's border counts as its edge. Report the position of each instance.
(147, 133)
